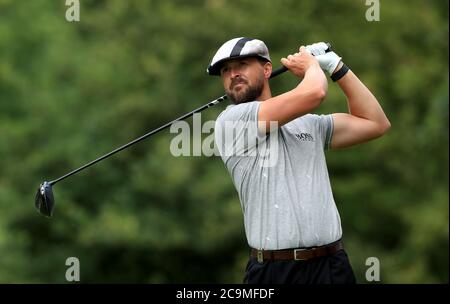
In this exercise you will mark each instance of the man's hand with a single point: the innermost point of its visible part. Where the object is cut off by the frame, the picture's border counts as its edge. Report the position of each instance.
(328, 61)
(300, 62)
(303, 99)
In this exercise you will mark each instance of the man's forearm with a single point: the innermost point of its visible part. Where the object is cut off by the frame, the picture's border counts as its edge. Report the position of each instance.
(361, 102)
(314, 79)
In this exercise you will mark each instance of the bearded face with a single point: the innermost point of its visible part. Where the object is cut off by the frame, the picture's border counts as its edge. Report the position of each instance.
(241, 90)
(243, 80)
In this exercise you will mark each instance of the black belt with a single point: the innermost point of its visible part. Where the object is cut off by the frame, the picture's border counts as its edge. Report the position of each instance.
(300, 254)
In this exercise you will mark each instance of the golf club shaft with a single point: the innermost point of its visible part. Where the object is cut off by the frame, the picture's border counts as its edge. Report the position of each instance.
(209, 104)
(187, 115)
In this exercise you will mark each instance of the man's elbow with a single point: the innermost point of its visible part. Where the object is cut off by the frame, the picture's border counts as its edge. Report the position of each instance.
(383, 128)
(319, 96)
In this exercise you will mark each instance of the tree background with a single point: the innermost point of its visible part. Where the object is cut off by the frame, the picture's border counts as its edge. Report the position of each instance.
(72, 91)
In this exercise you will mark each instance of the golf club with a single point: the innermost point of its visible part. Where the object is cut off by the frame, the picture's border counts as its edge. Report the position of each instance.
(44, 200)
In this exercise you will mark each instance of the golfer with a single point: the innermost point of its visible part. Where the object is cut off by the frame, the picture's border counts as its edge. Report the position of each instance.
(291, 220)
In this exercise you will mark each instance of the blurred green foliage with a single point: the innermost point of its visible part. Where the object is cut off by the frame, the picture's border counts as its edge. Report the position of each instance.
(70, 92)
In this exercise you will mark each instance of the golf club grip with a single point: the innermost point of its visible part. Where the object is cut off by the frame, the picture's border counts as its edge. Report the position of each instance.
(283, 69)
(278, 71)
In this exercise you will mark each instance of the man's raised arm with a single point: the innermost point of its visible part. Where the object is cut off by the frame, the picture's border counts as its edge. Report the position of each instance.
(366, 119)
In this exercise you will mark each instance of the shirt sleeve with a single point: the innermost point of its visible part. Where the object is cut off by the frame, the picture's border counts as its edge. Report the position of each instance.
(236, 130)
(324, 124)
(320, 126)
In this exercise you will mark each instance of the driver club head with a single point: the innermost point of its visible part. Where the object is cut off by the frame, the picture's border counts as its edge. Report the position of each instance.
(44, 200)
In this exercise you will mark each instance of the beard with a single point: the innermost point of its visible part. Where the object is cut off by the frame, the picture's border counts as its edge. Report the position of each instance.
(247, 93)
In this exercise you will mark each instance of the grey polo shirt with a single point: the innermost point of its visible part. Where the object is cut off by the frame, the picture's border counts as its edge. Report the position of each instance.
(281, 178)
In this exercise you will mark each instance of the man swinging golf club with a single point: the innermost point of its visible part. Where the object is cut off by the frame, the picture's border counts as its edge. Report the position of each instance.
(291, 220)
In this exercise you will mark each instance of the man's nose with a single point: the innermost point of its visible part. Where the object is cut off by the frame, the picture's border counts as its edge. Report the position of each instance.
(235, 72)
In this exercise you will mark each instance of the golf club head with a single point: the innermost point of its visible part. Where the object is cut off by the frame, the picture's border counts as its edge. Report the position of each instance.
(44, 200)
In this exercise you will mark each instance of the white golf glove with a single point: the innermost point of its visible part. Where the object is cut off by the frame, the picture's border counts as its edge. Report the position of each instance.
(328, 61)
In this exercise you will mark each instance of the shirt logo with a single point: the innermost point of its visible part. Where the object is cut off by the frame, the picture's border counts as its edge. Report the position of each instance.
(304, 137)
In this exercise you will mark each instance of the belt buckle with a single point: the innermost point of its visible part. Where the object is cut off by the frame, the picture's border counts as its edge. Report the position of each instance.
(297, 250)
(259, 255)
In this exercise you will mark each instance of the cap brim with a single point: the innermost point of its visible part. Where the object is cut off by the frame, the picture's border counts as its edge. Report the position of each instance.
(214, 70)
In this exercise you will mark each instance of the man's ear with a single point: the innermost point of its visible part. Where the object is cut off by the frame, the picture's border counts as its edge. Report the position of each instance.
(267, 69)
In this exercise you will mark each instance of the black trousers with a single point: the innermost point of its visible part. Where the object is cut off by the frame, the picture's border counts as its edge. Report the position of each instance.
(331, 269)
